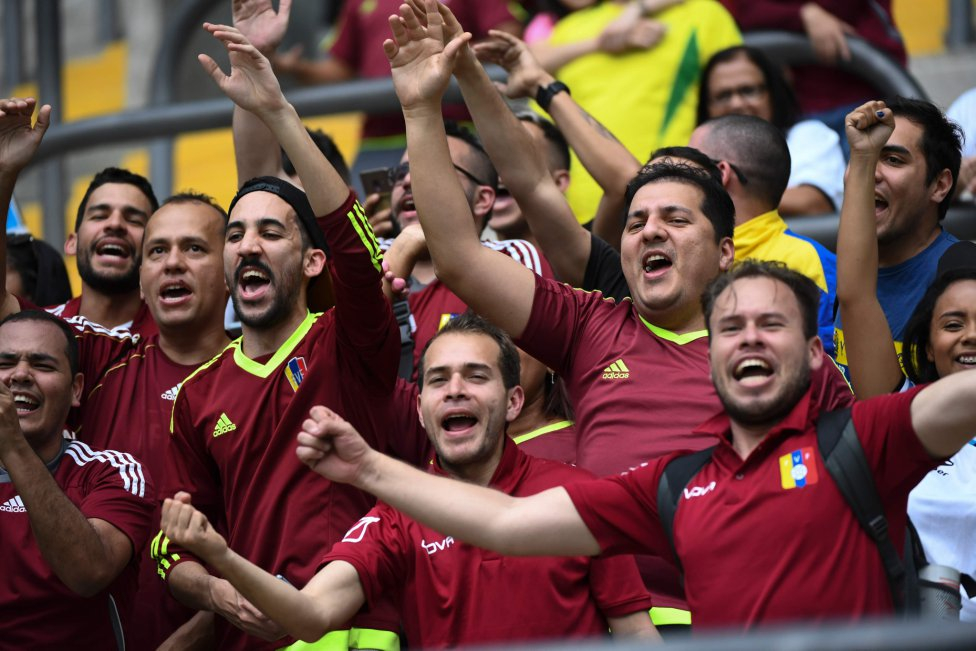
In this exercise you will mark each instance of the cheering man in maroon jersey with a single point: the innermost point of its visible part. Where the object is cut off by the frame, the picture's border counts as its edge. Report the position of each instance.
(131, 381)
(448, 594)
(234, 419)
(73, 518)
(637, 372)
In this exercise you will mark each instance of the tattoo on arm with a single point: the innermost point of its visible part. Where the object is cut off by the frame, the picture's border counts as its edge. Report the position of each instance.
(602, 130)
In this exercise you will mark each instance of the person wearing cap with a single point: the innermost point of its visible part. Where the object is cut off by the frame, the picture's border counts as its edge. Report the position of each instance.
(940, 339)
(914, 172)
(234, 419)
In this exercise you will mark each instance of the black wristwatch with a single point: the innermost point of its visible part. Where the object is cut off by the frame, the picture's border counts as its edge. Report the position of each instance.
(545, 93)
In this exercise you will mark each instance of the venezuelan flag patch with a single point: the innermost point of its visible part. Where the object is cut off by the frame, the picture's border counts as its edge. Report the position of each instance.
(798, 469)
(295, 371)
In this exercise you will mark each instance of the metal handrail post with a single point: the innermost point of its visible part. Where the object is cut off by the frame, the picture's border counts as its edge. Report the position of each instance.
(49, 88)
(13, 44)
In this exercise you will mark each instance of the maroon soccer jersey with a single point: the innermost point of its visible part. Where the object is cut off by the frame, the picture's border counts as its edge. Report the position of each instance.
(555, 441)
(130, 388)
(41, 612)
(790, 533)
(450, 593)
(142, 323)
(435, 305)
(638, 391)
(235, 421)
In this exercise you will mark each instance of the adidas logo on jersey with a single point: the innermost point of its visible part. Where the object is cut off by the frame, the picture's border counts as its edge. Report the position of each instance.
(13, 505)
(616, 371)
(170, 394)
(224, 425)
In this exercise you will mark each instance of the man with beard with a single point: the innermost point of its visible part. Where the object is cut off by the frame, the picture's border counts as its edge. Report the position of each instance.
(765, 486)
(914, 180)
(448, 594)
(636, 371)
(107, 242)
(234, 419)
(73, 518)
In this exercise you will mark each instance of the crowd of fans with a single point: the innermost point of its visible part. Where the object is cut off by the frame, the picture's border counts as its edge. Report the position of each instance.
(180, 471)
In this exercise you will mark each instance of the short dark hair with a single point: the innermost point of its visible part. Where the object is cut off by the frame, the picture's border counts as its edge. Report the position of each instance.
(192, 196)
(805, 290)
(941, 140)
(757, 148)
(918, 367)
(482, 166)
(782, 99)
(558, 149)
(329, 149)
(116, 175)
(716, 204)
(40, 316)
(689, 154)
(473, 324)
(42, 272)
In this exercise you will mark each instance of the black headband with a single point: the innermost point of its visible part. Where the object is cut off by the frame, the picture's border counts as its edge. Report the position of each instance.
(293, 197)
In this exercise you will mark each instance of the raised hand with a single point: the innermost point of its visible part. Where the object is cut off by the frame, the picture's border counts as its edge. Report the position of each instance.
(868, 127)
(188, 527)
(261, 24)
(421, 63)
(525, 74)
(251, 84)
(18, 139)
(331, 446)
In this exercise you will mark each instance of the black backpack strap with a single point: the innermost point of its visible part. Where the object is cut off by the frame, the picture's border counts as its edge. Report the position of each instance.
(845, 461)
(677, 473)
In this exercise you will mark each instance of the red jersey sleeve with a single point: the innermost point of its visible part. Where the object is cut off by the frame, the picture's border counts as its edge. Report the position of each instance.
(621, 510)
(118, 490)
(366, 328)
(898, 460)
(617, 586)
(99, 348)
(557, 323)
(377, 547)
(766, 14)
(190, 469)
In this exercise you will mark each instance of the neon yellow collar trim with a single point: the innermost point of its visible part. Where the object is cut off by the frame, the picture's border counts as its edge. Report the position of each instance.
(674, 337)
(552, 427)
(264, 370)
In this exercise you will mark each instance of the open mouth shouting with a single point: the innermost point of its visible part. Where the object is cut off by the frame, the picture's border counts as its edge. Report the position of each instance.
(174, 292)
(25, 403)
(752, 371)
(656, 263)
(880, 204)
(253, 280)
(113, 251)
(458, 422)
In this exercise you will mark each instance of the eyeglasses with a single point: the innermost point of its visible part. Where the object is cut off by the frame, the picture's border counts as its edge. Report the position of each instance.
(748, 93)
(398, 173)
(735, 169)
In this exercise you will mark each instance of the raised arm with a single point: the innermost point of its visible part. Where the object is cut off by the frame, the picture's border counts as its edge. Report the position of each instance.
(18, 143)
(492, 284)
(943, 414)
(87, 554)
(565, 243)
(327, 603)
(870, 348)
(253, 87)
(545, 524)
(256, 151)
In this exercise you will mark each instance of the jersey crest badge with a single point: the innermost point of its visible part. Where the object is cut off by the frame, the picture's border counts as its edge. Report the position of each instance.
(616, 371)
(798, 469)
(295, 371)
